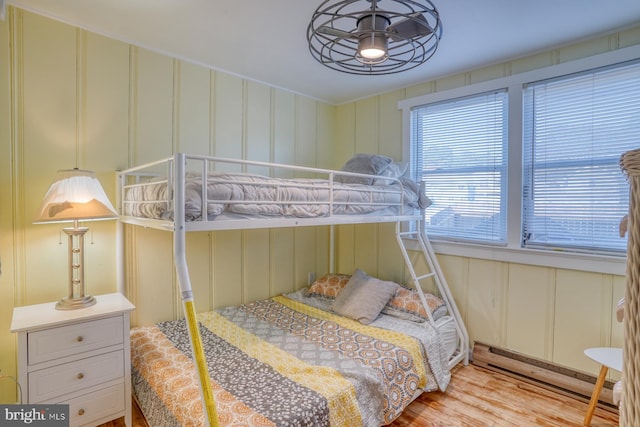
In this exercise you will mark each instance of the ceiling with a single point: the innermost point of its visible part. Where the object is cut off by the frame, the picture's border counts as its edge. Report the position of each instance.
(266, 40)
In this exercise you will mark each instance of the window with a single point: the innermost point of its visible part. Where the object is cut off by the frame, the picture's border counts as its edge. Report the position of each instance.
(575, 127)
(548, 145)
(575, 130)
(459, 152)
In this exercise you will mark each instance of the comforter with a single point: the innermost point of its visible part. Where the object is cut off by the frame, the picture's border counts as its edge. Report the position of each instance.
(282, 362)
(250, 194)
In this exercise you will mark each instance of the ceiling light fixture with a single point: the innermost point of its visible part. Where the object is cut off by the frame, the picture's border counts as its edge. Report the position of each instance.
(374, 36)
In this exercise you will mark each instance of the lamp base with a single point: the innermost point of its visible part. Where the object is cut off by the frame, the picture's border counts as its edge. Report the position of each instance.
(75, 303)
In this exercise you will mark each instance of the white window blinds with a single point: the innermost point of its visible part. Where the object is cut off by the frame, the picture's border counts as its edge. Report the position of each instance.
(575, 129)
(459, 152)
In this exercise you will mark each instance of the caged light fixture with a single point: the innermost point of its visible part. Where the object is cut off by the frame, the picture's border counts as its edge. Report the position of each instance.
(374, 37)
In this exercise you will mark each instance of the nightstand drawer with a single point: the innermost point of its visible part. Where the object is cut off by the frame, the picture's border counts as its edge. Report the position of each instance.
(46, 384)
(67, 340)
(97, 405)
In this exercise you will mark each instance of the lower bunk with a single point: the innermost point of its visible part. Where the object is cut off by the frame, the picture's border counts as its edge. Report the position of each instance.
(292, 360)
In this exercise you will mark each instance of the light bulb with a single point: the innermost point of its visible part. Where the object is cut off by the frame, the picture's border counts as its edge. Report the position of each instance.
(372, 53)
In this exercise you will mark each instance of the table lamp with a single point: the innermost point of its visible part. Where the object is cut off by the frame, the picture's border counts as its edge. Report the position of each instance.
(75, 195)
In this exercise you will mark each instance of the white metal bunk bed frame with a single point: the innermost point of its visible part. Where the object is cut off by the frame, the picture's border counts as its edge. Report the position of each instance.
(176, 168)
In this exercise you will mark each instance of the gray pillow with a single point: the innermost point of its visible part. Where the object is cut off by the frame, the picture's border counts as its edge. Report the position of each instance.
(371, 164)
(364, 297)
(392, 170)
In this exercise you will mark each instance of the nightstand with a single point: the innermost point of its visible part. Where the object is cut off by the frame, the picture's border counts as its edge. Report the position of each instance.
(80, 357)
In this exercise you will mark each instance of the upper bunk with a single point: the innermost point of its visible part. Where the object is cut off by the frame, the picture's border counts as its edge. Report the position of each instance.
(170, 194)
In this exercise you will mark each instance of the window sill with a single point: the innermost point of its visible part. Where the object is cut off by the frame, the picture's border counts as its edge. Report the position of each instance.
(555, 259)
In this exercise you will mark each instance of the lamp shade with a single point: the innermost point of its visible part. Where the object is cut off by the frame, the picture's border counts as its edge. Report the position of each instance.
(75, 194)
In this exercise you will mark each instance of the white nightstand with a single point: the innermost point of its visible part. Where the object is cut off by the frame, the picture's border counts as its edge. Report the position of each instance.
(80, 357)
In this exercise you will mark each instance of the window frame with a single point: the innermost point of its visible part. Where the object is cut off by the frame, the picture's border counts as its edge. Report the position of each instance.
(514, 84)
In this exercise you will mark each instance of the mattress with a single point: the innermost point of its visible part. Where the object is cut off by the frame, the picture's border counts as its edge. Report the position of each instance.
(257, 195)
(287, 361)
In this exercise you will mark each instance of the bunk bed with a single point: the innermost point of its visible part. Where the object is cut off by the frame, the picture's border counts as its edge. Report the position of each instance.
(323, 355)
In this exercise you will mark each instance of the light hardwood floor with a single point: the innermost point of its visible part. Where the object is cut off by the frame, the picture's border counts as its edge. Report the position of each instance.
(478, 397)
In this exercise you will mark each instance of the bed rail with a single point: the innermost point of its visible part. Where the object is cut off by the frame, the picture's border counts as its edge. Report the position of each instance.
(158, 182)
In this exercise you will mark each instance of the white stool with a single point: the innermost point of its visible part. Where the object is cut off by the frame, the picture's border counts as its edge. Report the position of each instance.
(607, 357)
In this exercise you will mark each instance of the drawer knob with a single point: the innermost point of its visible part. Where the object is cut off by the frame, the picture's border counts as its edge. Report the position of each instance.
(80, 376)
(81, 412)
(80, 338)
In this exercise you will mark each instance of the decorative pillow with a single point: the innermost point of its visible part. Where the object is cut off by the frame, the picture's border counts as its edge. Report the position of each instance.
(406, 305)
(371, 164)
(329, 285)
(364, 297)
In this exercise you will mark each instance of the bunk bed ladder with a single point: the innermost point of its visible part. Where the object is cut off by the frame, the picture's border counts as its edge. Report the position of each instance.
(416, 233)
(179, 249)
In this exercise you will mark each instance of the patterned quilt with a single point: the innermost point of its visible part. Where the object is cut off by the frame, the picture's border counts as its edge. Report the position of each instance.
(279, 362)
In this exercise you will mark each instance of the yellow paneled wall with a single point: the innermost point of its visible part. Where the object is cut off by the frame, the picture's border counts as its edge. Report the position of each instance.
(549, 313)
(72, 98)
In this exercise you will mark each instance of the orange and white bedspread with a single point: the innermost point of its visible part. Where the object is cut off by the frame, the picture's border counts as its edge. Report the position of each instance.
(279, 362)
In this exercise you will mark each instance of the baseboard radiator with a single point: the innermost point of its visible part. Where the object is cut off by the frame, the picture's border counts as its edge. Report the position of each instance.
(542, 373)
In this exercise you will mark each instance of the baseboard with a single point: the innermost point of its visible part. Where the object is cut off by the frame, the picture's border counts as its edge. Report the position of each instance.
(548, 375)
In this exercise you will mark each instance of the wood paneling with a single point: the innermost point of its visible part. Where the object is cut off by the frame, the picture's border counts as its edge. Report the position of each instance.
(367, 126)
(284, 129)
(154, 118)
(325, 135)
(322, 255)
(366, 250)
(456, 271)
(306, 138)
(529, 317)
(579, 320)
(105, 102)
(345, 252)
(485, 308)
(155, 290)
(389, 256)
(228, 123)
(193, 109)
(258, 125)
(256, 264)
(281, 271)
(390, 132)
(228, 284)
(304, 254)
(200, 264)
